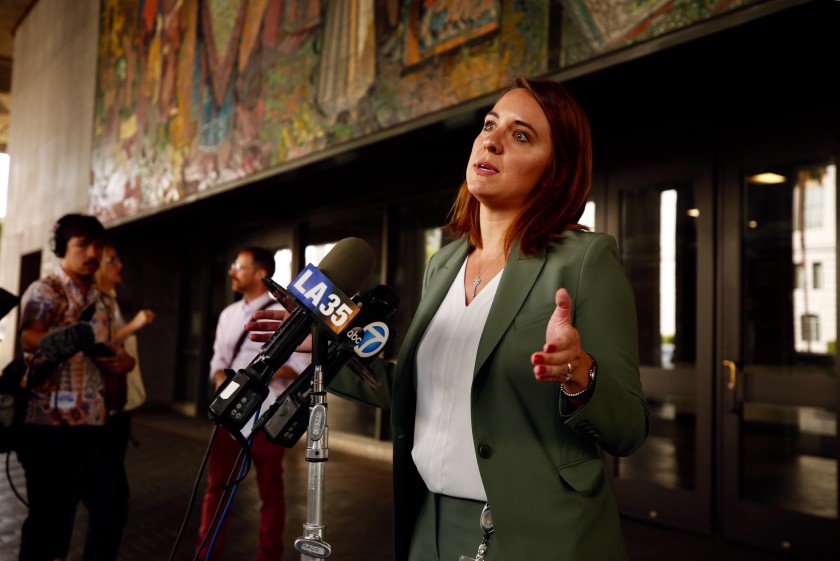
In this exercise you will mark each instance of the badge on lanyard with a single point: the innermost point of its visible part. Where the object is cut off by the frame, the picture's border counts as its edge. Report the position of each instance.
(64, 400)
(485, 521)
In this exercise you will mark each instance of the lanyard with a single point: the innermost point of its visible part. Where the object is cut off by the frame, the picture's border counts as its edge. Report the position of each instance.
(485, 521)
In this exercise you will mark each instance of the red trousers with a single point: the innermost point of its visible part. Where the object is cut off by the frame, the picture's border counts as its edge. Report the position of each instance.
(267, 461)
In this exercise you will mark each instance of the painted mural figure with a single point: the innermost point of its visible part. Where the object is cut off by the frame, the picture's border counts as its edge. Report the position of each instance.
(192, 94)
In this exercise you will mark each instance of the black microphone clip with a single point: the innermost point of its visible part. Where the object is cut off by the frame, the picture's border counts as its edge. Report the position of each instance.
(237, 399)
(314, 296)
(286, 420)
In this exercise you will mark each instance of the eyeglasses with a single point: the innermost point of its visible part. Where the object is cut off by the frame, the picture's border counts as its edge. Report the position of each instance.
(235, 266)
(113, 260)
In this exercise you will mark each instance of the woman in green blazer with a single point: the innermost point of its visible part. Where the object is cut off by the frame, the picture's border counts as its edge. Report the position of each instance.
(521, 362)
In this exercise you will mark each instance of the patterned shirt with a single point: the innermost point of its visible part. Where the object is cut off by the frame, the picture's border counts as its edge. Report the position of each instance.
(73, 392)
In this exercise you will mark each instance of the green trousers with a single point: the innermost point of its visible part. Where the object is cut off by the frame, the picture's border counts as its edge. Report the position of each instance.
(447, 528)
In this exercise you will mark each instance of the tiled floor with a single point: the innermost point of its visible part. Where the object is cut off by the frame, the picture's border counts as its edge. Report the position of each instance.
(162, 472)
(357, 504)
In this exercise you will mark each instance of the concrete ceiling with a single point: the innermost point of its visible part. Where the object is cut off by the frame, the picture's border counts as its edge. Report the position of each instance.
(11, 13)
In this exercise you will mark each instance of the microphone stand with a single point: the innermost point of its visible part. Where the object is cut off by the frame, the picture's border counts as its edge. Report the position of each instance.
(312, 545)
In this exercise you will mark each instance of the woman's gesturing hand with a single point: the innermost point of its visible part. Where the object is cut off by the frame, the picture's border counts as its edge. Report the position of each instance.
(562, 359)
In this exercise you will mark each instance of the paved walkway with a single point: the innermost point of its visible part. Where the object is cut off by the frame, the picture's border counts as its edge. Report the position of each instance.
(163, 469)
(162, 472)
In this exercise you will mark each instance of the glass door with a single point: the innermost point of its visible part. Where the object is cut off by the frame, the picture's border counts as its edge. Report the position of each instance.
(777, 370)
(662, 216)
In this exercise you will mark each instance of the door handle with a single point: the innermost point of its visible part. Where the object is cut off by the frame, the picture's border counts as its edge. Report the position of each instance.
(733, 385)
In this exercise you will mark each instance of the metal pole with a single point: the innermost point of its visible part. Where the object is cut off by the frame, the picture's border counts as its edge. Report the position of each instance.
(312, 545)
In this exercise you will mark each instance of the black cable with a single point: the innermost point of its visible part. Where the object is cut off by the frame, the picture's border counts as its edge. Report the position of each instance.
(12, 483)
(245, 449)
(226, 490)
(194, 493)
(19, 424)
(230, 483)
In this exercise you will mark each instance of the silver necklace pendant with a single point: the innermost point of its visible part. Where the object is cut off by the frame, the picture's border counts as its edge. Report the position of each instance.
(477, 279)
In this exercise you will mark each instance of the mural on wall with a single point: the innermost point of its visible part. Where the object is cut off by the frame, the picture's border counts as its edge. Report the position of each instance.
(193, 95)
(438, 26)
(594, 27)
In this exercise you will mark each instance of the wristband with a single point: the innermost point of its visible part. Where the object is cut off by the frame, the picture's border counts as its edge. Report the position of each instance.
(592, 370)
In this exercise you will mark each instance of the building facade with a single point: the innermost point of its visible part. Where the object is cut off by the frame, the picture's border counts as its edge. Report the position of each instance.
(195, 128)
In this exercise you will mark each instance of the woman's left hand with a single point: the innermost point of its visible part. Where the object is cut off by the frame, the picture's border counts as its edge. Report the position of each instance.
(144, 317)
(562, 352)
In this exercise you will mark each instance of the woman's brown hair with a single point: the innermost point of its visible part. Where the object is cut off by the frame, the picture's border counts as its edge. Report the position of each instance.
(557, 202)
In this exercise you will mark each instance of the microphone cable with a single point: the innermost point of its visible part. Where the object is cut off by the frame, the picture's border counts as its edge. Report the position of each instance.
(17, 424)
(191, 502)
(230, 491)
(194, 493)
(11, 481)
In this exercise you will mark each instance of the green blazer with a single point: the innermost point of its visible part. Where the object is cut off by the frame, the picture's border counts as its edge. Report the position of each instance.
(539, 461)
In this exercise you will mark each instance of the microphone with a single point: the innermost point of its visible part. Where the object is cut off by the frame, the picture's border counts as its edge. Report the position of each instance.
(285, 421)
(62, 343)
(315, 295)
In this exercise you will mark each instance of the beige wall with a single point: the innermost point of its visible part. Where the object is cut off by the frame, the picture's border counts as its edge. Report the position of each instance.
(50, 132)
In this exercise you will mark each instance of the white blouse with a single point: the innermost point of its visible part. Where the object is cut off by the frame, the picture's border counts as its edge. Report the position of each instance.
(444, 451)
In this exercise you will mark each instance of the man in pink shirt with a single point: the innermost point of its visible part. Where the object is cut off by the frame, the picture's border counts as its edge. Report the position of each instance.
(233, 350)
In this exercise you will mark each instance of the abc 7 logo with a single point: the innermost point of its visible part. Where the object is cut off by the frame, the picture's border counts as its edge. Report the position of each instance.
(371, 340)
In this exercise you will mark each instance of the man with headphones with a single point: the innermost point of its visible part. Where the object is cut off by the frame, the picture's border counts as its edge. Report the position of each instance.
(67, 333)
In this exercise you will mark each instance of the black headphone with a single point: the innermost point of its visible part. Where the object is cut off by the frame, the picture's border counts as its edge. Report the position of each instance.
(71, 225)
(58, 241)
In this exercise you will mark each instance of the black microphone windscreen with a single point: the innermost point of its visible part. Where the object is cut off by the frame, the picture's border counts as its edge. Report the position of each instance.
(61, 344)
(348, 264)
